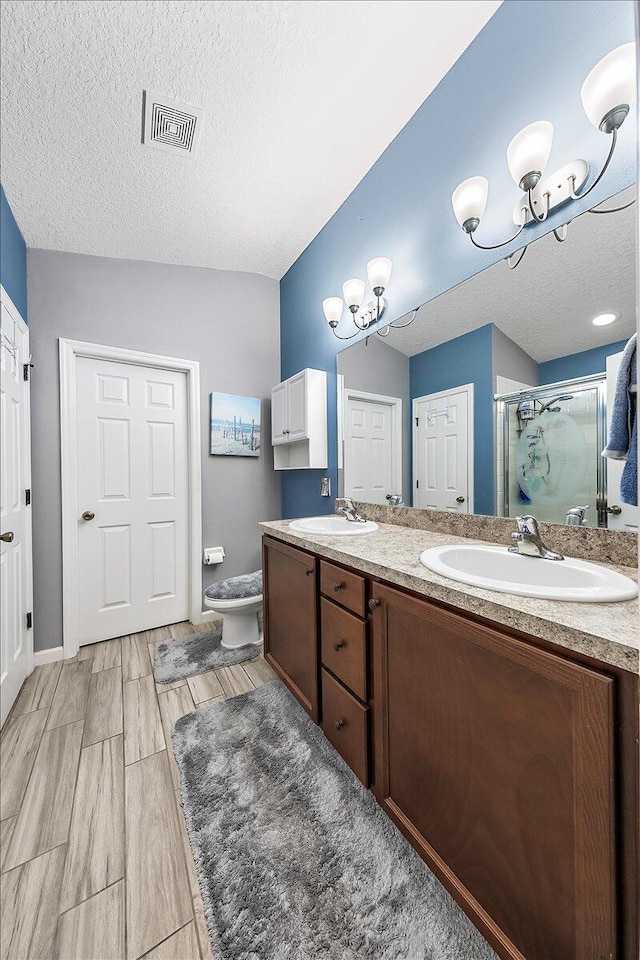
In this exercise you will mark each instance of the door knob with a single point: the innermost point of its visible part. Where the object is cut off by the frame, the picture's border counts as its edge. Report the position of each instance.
(7, 537)
(88, 515)
(615, 509)
(459, 499)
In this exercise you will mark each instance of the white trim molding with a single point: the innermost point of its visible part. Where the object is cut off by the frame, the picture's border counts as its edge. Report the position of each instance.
(48, 656)
(70, 352)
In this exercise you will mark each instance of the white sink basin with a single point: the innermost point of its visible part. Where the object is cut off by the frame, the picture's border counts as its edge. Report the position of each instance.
(494, 568)
(333, 526)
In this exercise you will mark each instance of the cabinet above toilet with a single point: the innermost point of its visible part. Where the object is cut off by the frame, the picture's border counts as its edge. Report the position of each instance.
(299, 421)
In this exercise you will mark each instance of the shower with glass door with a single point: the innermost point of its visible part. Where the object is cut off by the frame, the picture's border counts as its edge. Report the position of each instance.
(550, 440)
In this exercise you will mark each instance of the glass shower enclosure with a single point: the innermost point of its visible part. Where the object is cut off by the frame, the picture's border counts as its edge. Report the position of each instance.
(549, 444)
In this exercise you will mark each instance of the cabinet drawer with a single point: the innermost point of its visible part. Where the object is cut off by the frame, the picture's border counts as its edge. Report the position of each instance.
(343, 587)
(344, 646)
(344, 722)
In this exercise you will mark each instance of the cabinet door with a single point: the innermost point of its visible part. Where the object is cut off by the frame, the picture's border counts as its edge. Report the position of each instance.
(291, 619)
(297, 414)
(279, 414)
(496, 761)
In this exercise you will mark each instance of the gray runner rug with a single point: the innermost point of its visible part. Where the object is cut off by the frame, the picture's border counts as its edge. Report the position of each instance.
(295, 859)
(197, 653)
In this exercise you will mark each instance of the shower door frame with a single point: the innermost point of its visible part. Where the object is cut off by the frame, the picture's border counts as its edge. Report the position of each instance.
(596, 381)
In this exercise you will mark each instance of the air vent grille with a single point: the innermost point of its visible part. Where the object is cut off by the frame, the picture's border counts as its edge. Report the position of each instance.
(171, 126)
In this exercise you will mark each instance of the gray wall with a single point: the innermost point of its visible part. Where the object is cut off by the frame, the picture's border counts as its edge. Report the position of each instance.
(380, 368)
(227, 321)
(510, 360)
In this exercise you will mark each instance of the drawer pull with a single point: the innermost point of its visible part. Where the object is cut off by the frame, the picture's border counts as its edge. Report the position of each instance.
(339, 645)
(309, 572)
(373, 605)
(339, 724)
(338, 586)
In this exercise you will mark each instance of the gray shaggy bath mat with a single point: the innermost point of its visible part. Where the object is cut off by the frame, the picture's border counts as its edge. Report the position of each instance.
(197, 653)
(296, 861)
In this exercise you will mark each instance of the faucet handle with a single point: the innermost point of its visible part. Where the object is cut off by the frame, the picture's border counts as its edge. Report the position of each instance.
(527, 524)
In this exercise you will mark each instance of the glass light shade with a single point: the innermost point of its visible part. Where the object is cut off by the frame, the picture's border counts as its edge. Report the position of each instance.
(332, 307)
(353, 291)
(610, 84)
(529, 150)
(469, 199)
(379, 272)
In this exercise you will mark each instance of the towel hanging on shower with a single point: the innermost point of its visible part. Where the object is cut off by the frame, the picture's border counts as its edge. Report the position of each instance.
(623, 432)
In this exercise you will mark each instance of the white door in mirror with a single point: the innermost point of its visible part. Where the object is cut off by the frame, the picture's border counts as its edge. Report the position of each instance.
(495, 568)
(443, 451)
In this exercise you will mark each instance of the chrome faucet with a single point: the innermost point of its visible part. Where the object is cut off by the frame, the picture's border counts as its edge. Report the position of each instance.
(575, 516)
(395, 500)
(528, 541)
(347, 506)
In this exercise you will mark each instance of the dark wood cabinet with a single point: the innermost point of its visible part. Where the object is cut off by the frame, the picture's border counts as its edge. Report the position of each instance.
(509, 764)
(496, 759)
(291, 619)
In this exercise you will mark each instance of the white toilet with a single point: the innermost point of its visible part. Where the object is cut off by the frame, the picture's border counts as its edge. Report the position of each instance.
(241, 616)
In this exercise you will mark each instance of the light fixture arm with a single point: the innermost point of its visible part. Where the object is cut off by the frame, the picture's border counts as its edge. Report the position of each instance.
(579, 196)
(398, 326)
(543, 217)
(496, 246)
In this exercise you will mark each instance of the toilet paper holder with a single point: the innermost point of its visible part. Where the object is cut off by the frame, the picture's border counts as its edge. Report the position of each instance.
(213, 555)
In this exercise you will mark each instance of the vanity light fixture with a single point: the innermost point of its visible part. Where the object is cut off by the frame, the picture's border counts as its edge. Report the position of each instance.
(353, 291)
(604, 319)
(608, 93)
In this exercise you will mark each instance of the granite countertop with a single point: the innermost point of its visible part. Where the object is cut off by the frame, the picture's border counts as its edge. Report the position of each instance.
(608, 632)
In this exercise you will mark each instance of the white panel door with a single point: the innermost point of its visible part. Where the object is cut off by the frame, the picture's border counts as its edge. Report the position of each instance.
(627, 519)
(15, 515)
(443, 460)
(368, 455)
(133, 543)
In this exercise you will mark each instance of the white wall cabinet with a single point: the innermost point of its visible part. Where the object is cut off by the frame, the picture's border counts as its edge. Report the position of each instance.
(299, 421)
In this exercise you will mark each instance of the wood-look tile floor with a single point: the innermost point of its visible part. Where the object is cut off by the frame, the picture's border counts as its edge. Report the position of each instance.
(95, 859)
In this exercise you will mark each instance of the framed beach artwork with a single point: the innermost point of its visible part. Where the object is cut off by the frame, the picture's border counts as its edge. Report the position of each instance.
(235, 425)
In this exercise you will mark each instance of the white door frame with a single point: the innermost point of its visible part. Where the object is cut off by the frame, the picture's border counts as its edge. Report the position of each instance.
(70, 352)
(26, 440)
(396, 428)
(468, 387)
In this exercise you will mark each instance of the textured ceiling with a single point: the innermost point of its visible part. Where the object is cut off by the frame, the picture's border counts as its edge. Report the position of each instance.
(300, 98)
(547, 303)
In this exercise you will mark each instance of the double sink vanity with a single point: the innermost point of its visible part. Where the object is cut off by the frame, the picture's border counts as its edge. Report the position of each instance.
(494, 721)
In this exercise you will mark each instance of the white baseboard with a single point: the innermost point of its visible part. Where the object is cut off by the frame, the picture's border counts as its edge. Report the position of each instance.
(48, 656)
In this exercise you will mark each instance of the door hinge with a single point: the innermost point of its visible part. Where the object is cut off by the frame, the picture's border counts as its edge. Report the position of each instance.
(29, 620)
(25, 371)
(27, 497)
(417, 421)
(417, 484)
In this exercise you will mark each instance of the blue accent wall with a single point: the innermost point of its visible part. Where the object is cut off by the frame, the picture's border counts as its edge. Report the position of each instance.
(402, 207)
(13, 257)
(467, 359)
(579, 364)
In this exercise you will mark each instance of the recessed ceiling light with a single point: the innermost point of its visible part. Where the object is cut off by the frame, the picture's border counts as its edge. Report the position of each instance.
(604, 319)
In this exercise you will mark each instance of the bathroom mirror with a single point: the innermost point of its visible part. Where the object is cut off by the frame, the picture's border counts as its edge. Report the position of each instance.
(496, 399)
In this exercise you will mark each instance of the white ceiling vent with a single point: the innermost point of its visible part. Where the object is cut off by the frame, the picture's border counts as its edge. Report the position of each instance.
(170, 126)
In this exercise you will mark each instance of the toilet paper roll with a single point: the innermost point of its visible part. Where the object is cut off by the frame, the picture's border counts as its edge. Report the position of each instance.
(214, 555)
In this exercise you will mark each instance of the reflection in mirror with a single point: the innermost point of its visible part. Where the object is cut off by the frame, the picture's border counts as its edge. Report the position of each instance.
(499, 398)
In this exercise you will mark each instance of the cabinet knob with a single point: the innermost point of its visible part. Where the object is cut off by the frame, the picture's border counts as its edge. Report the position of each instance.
(373, 605)
(339, 645)
(339, 724)
(338, 586)
(309, 572)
